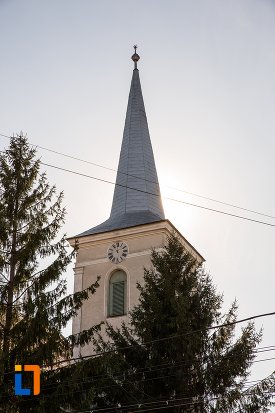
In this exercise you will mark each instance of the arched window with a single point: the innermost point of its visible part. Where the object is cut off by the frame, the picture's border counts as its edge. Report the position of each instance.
(117, 294)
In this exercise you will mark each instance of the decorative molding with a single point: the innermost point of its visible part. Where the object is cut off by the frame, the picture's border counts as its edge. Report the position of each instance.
(160, 227)
(106, 260)
(77, 320)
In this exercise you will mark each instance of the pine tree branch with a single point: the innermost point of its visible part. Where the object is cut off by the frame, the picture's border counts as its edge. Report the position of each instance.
(2, 275)
(46, 212)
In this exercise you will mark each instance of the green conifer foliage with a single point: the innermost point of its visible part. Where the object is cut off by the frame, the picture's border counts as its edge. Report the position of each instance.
(168, 359)
(34, 306)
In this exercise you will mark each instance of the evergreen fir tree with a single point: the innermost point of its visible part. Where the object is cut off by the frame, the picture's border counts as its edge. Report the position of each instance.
(34, 306)
(168, 358)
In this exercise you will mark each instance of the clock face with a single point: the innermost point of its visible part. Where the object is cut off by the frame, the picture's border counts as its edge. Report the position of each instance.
(118, 252)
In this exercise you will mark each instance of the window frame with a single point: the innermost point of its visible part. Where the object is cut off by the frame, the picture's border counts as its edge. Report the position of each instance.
(120, 273)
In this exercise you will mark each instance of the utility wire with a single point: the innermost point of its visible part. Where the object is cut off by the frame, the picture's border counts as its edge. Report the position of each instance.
(171, 401)
(102, 387)
(264, 350)
(157, 195)
(49, 387)
(166, 338)
(141, 404)
(149, 369)
(255, 385)
(116, 377)
(160, 400)
(146, 180)
(259, 361)
(169, 404)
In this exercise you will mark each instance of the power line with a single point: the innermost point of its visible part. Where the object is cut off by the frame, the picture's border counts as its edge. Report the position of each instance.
(156, 367)
(157, 195)
(166, 338)
(203, 398)
(171, 403)
(266, 347)
(255, 385)
(83, 381)
(259, 350)
(141, 404)
(79, 382)
(168, 406)
(116, 377)
(146, 180)
(149, 369)
(153, 368)
(259, 361)
(159, 400)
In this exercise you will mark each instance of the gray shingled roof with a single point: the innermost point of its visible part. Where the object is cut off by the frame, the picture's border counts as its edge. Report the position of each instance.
(136, 198)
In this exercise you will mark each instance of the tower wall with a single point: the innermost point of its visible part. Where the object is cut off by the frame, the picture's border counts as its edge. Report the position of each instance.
(92, 260)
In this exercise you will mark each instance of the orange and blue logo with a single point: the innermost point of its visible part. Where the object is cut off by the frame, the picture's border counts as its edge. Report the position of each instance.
(19, 390)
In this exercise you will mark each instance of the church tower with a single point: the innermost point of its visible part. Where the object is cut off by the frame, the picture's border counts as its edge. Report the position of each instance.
(120, 248)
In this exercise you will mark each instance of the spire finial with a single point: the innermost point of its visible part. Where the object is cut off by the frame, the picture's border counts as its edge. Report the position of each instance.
(135, 56)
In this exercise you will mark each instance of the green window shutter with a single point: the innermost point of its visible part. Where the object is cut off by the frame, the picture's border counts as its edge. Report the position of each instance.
(117, 294)
(118, 299)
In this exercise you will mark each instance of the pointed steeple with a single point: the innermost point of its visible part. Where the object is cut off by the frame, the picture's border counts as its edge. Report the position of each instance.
(137, 187)
(137, 194)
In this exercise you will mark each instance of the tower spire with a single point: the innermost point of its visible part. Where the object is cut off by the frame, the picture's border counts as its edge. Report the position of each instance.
(136, 197)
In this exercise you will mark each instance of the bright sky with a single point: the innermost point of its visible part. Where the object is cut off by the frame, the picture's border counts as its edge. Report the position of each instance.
(207, 73)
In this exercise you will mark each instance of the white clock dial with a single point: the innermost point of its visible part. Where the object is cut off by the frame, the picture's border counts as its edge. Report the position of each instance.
(117, 252)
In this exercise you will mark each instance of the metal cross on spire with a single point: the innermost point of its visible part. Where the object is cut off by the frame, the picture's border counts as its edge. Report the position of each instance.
(135, 56)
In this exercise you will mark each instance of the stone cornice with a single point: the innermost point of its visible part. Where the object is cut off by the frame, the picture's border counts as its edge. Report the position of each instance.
(166, 226)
